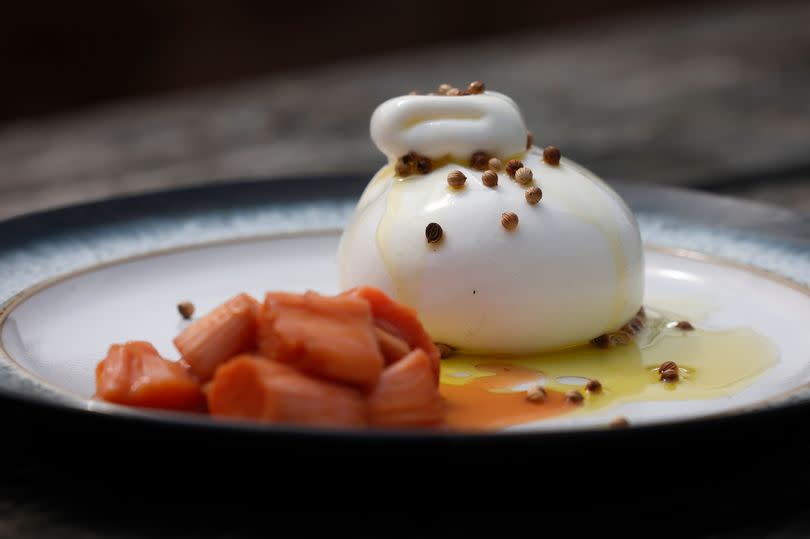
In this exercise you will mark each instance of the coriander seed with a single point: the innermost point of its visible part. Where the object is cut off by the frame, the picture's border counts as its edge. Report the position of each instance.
(186, 309)
(456, 179)
(574, 397)
(476, 87)
(479, 160)
(551, 155)
(524, 175)
(509, 220)
(489, 178)
(513, 166)
(619, 422)
(670, 375)
(433, 233)
(667, 366)
(536, 394)
(620, 338)
(402, 169)
(445, 350)
(533, 195)
(602, 341)
(424, 165)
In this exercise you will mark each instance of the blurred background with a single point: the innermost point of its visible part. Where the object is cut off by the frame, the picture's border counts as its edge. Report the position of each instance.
(106, 98)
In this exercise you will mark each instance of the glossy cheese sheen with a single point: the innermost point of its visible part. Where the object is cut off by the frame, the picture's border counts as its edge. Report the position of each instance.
(572, 270)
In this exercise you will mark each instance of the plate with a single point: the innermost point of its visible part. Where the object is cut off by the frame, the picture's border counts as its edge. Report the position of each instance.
(76, 279)
(114, 271)
(136, 298)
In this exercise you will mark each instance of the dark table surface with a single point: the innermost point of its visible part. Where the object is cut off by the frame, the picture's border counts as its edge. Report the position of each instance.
(715, 98)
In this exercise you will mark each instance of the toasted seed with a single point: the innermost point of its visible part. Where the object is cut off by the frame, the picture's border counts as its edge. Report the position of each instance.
(453, 92)
(536, 394)
(513, 166)
(620, 338)
(456, 179)
(186, 309)
(594, 386)
(402, 169)
(619, 422)
(489, 178)
(602, 341)
(685, 325)
(670, 375)
(509, 220)
(444, 88)
(551, 155)
(476, 87)
(667, 366)
(495, 164)
(529, 139)
(433, 232)
(445, 350)
(574, 397)
(533, 195)
(524, 175)
(424, 165)
(479, 160)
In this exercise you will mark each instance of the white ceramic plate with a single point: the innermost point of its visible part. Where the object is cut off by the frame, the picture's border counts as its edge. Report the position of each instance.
(114, 277)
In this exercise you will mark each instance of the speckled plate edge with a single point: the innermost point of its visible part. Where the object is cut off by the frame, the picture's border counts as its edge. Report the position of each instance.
(47, 246)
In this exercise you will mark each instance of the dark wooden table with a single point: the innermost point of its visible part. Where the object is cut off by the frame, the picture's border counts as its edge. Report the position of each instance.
(716, 98)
